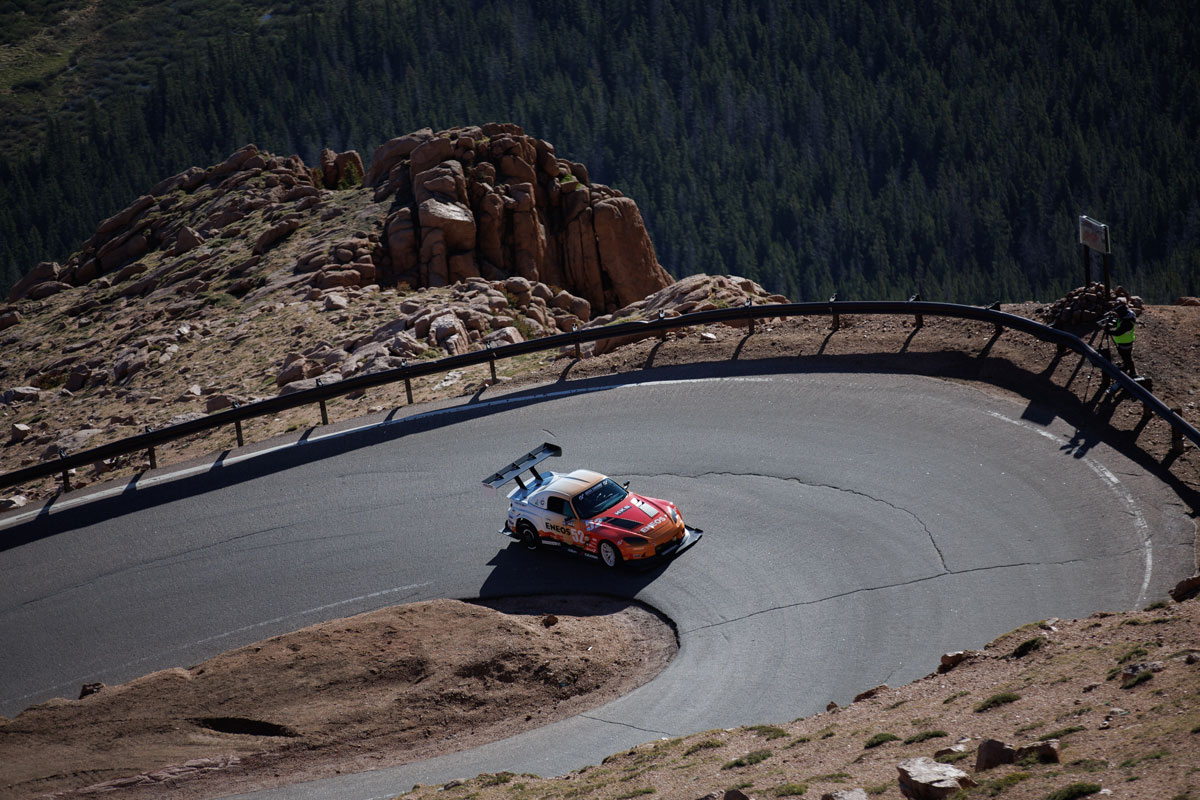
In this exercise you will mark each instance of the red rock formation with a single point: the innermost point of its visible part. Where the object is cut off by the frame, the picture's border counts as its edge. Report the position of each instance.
(490, 201)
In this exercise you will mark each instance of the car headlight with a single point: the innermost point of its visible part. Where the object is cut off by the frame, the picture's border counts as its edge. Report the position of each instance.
(635, 541)
(674, 514)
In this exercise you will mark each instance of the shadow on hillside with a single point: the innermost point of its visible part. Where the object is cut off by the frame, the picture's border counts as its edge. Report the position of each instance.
(1047, 401)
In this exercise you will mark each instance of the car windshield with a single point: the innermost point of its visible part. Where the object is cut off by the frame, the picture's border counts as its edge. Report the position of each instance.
(599, 498)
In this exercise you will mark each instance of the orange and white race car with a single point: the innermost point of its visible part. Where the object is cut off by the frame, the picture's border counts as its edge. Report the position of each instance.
(587, 513)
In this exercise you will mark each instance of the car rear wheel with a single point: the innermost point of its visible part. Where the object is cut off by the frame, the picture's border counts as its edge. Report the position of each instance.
(528, 535)
(609, 554)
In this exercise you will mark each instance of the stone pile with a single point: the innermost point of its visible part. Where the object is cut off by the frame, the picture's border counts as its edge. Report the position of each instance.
(1085, 305)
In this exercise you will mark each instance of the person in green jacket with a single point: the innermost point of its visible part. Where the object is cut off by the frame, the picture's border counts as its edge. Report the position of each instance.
(1121, 322)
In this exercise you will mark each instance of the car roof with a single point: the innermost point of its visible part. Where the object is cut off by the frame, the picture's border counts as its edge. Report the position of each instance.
(572, 483)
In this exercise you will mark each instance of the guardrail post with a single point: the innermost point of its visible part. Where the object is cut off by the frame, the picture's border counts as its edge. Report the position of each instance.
(1176, 434)
(749, 318)
(237, 427)
(837, 322)
(492, 363)
(66, 473)
(662, 335)
(150, 450)
(407, 382)
(918, 319)
(324, 410)
(578, 352)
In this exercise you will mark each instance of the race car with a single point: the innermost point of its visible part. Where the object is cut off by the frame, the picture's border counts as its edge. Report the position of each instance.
(588, 513)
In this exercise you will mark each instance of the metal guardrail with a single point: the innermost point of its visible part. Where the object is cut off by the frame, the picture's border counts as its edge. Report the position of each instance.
(749, 314)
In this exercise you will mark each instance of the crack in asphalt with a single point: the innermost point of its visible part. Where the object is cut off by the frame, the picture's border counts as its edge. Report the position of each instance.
(857, 492)
(625, 725)
(901, 584)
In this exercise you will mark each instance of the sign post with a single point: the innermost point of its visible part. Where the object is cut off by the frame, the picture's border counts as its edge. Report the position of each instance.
(1093, 235)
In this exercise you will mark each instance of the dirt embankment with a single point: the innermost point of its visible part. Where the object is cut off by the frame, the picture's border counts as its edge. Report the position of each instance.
(379, 689)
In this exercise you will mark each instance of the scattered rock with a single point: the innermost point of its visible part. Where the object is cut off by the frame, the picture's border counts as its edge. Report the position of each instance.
(869, 693)
(218, 402)
(335, 301)
(273, 234)
(951, 660)
(21, 394)
(19, 432)
(993, 753)
(188, 239)
(926, 779)
(90, 689)
(845, 794)
(9, 319)
(16, 501)
(1186, 589)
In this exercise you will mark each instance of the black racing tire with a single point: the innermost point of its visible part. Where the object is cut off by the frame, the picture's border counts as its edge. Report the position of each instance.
(610, 556)
(528, 535)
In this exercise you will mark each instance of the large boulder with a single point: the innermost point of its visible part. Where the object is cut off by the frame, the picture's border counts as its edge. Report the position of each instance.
(926, 779)
(43, 272)
(626, 253)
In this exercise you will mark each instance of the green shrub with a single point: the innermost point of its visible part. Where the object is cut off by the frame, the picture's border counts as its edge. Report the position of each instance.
(950, 758)
(768, 731)
(1134, 680)
(880, 738)
(997, 700)
(1008, 781)
(706, 744)
(1074, 790)
(1028, 646)
(753, 757)
(1136, 652)
(925, 736)
(790, 790)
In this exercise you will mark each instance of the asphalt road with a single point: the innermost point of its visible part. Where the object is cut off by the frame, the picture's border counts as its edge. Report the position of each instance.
(856, 527)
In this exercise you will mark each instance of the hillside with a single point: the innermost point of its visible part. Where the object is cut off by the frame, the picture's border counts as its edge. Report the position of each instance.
(260, 273)
(873, 149)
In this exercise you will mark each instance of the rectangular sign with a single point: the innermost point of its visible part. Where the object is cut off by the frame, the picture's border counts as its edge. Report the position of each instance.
(1094, 234)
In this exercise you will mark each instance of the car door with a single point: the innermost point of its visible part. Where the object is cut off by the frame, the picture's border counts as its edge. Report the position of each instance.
(560, 520)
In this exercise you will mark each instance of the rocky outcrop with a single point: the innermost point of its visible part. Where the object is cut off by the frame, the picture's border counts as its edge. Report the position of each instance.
(475, 202)
(492, 202)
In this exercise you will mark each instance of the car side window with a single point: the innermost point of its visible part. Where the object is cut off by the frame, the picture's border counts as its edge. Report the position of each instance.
(555, 505)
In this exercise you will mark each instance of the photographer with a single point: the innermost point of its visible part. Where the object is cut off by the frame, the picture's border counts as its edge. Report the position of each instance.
(1121, 324)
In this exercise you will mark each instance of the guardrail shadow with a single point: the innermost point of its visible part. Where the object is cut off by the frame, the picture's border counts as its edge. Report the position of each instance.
(1048, 401)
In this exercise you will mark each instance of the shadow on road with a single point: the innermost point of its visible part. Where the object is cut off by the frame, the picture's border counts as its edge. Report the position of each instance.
(518, 572)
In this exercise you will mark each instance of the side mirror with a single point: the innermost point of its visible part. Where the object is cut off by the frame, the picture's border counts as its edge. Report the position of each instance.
(625, 485)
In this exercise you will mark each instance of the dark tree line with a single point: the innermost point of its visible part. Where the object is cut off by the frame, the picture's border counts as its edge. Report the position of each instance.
(877, 148)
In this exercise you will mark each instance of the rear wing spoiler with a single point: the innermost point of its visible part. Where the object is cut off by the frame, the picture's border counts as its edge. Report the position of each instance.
(529, 461)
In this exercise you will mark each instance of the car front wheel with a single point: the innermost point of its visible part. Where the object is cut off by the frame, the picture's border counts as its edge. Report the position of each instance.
(609, 554)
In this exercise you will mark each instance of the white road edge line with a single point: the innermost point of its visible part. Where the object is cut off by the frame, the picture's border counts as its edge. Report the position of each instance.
(1139, 520)
(294, 615)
